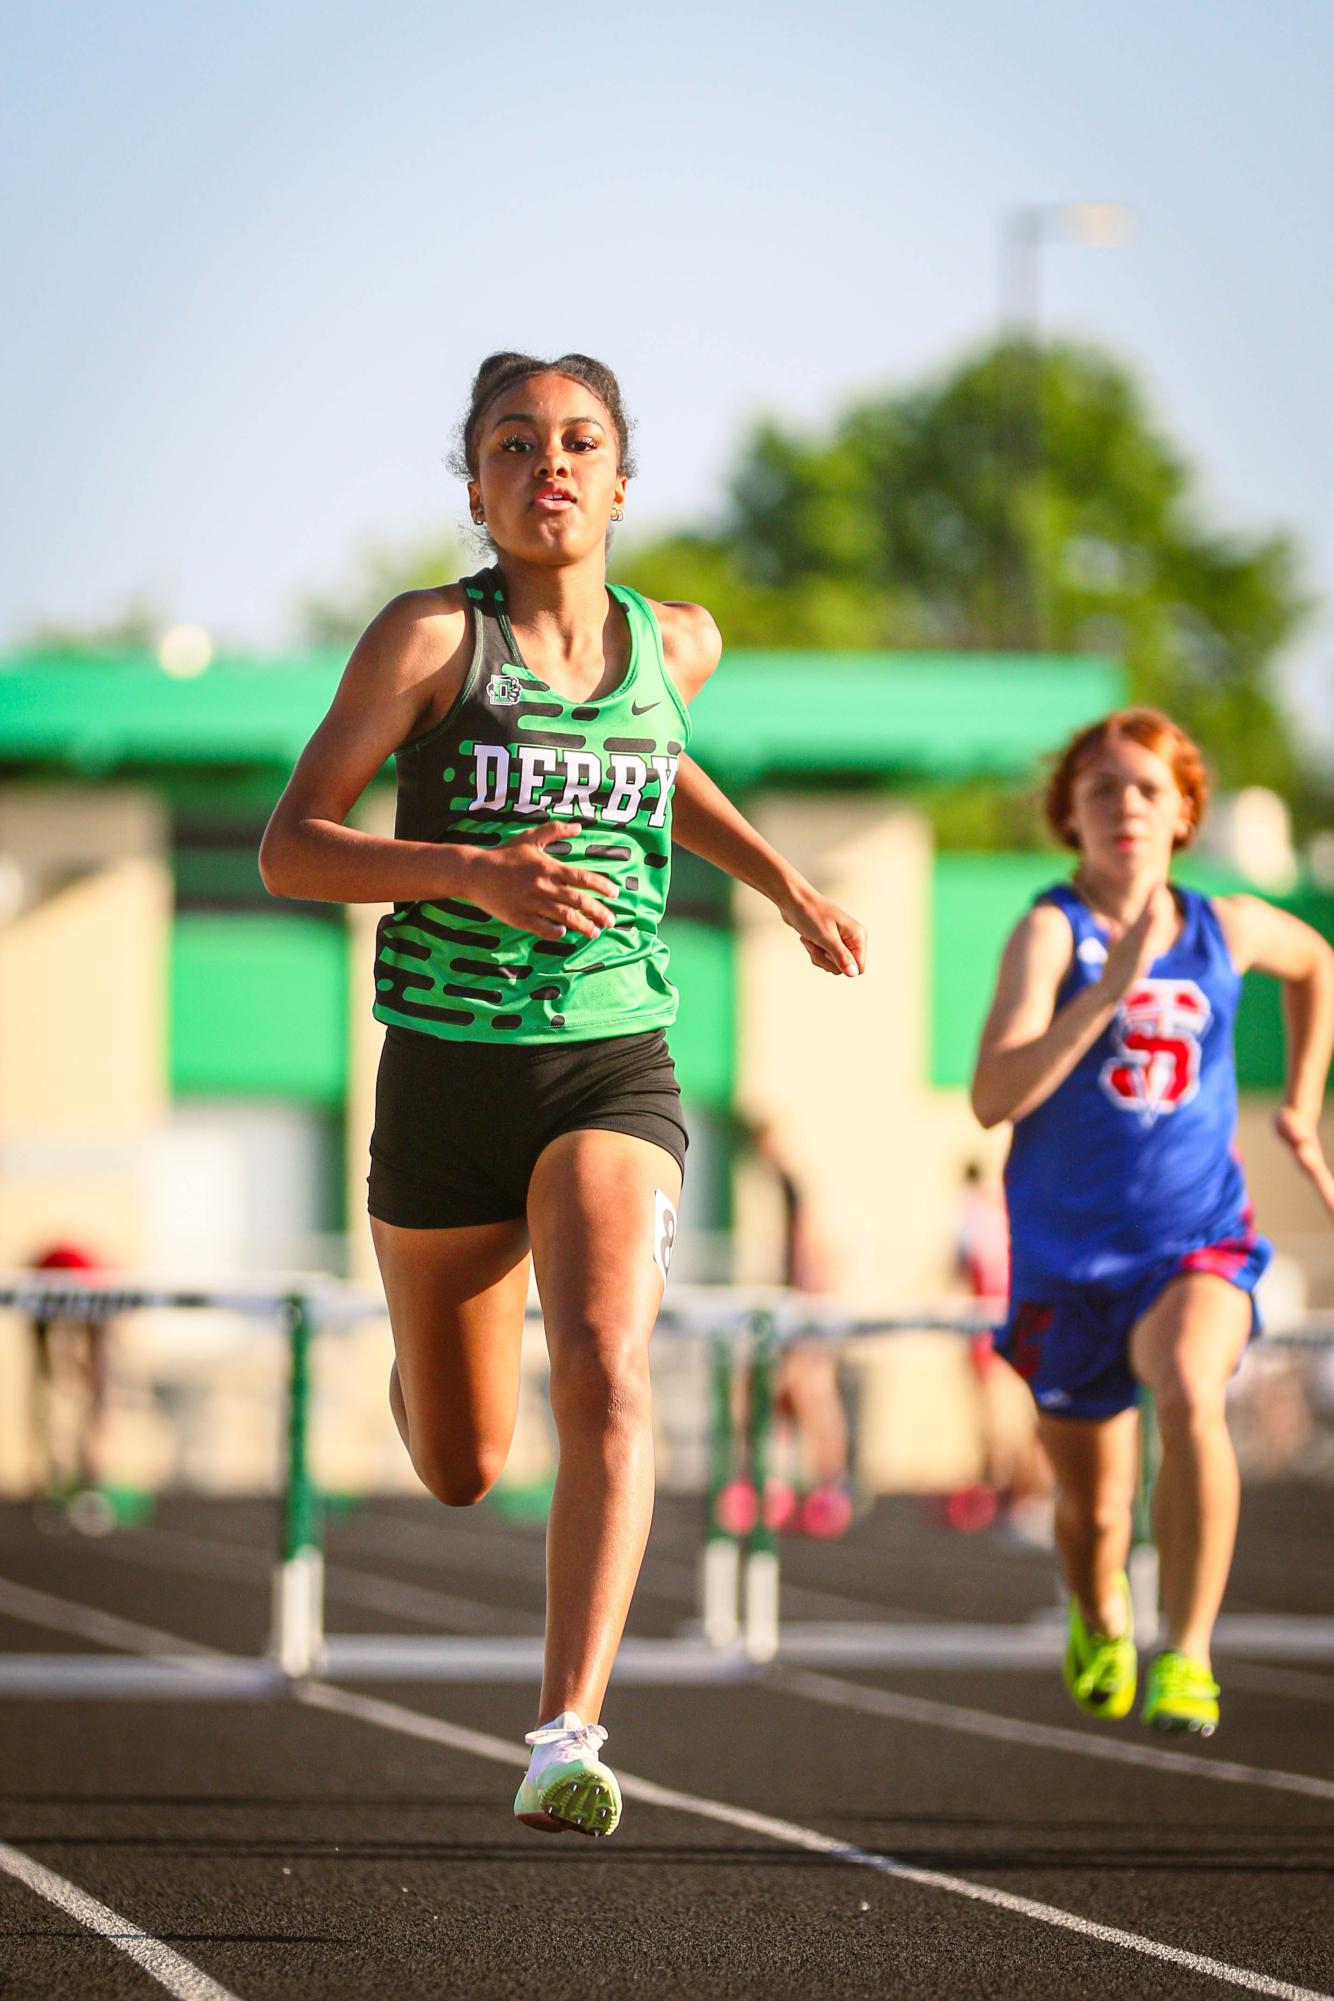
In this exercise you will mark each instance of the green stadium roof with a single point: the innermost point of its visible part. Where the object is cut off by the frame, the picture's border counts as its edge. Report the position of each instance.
(942, 715)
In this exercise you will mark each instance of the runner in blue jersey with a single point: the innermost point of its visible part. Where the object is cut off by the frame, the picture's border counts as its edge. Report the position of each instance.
(1134, 1260)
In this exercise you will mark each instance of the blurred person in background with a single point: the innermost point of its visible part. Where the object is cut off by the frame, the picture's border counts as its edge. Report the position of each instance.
(1016, 1482)
(70, 1353)
(810, 1420)
(1109, 1045)
(526, 1101)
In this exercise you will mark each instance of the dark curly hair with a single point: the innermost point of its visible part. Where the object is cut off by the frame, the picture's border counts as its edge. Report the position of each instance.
(500, 372)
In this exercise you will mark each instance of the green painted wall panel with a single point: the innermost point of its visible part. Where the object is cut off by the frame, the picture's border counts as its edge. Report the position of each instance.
(259, 1008)
(703, 968)
(975, 902)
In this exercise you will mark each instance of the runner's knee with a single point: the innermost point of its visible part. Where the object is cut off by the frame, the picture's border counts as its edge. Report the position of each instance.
(458, 1477)
(600, 1377)
(1094, 1511)
(1186, 1404)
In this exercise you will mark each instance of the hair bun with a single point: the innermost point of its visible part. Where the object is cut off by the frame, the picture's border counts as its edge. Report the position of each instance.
(496, 364)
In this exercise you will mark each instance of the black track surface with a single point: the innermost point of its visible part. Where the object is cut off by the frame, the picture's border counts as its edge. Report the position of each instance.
(291, 1852)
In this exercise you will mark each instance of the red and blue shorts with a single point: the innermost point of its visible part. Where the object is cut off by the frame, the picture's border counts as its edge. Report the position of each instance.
(1071, 1342)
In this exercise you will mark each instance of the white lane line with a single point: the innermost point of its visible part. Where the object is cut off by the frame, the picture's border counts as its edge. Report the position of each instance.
(179, 1976)
(180, 1678)
(67, 1615)
(390, 1716)
(1049, 1736)
(410, 1723)
(165, 1549)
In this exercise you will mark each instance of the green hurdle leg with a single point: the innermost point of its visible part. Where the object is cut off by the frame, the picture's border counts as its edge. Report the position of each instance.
(720, 1560)
(761, 1573)
(298, 1591)
(1143, 1567)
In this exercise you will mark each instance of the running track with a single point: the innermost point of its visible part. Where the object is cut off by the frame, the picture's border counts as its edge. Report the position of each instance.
(895, 1831)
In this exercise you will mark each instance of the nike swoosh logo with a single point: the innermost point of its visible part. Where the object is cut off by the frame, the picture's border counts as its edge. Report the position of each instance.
(638, 709)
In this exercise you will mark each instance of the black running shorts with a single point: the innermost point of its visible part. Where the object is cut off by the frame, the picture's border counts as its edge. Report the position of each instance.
(459, 1125)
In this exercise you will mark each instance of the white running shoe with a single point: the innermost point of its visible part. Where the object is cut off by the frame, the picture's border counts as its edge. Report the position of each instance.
(565, 1785)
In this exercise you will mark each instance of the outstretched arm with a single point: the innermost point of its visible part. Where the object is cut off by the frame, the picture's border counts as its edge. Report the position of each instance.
(705, 821)
(1265, 940)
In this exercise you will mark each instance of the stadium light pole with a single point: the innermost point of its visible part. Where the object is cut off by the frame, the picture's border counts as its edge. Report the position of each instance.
(1101, 225)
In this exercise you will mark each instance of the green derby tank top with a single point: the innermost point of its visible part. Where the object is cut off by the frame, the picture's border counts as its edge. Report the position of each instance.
(513, 753)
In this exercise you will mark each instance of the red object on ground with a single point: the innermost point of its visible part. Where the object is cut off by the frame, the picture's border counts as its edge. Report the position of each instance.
(66, 1257)
(972, 1508)
(735, 1509)
(825, 1513)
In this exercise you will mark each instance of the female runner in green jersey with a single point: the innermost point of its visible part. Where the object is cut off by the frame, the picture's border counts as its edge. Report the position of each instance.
(526, 1104)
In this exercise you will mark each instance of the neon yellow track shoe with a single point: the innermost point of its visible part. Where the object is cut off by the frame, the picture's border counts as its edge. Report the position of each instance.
(566, 1786)
(1182, 1696)
(1100, 1669)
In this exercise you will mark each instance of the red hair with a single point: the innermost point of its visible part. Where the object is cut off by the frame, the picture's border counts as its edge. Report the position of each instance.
(1156, 732)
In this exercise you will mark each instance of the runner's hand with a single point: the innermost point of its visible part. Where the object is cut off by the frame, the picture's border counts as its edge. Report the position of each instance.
(523, 885)
(833, 941)
(1300, 1133)
(1140, 943)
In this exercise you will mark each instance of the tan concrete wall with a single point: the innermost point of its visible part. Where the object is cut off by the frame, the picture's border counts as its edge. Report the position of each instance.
(83, 1039)
(838, 1067)
(365, 1034)
(83, 1027)
(1287, 1208)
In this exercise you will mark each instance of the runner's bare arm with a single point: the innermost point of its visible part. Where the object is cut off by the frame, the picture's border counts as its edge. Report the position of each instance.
(409, 663)
(705, 821)
(1027, 1048)
(1265, 940)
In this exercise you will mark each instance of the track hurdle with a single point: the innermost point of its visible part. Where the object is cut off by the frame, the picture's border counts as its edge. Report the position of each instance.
(295, 1309)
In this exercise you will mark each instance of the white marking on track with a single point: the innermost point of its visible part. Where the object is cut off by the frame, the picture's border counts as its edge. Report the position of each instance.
(179, 1976)
(410, 1723)
(204, 1556)
(407, 1722)
(67, 1615)
(1047, 1736)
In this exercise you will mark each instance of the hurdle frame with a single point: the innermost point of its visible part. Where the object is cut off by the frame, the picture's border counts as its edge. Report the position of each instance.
(739, 1580)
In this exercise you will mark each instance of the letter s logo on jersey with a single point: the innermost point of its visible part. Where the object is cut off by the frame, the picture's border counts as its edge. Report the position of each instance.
(1157, 1031)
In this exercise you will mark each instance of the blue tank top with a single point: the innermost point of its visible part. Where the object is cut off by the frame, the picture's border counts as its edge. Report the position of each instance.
(1132, 1158)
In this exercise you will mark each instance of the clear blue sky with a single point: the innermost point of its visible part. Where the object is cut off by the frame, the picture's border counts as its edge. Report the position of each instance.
(254, 252)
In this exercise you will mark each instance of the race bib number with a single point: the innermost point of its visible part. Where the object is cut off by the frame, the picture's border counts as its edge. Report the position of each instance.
(664, 1232)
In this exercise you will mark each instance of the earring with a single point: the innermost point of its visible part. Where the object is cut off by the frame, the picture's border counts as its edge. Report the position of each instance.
(618, 514)
(477, 517)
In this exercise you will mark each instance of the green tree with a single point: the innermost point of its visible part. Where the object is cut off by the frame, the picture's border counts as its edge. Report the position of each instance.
(135, 629)
(337, 618)
(1028, 499)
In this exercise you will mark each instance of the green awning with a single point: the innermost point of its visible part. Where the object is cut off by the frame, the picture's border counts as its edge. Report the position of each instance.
(944, 715)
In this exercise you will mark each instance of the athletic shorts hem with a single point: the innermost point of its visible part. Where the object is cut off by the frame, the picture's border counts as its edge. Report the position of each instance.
(661, 1133)
(1071, 1342)
(409, 1201)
